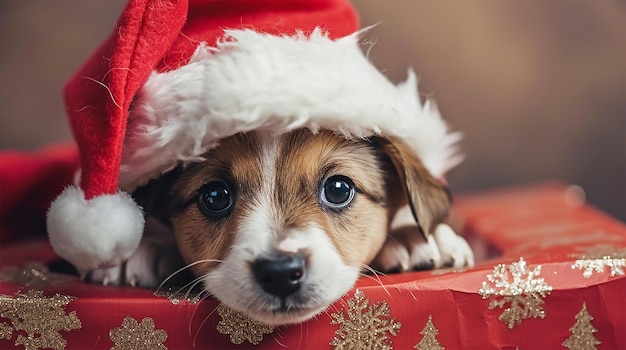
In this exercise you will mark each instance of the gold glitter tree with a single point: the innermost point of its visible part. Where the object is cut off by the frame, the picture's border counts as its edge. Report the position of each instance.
(138, 336)
(364, 326)
(40, 317)
(582, 337)
(429, 341)
(241, 327)
(524, 294)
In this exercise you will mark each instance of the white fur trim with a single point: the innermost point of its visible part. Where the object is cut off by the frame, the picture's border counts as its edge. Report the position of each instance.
(254, 81)
(96, 233)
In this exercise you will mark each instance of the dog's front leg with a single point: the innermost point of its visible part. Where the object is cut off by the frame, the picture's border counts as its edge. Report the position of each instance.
(406, 249)
(155, 259)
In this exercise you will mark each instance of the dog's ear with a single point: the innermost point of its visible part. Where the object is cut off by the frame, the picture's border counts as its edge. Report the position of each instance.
(428, 198)
(153, 197)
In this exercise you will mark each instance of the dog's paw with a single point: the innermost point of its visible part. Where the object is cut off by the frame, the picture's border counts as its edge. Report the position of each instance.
(138, 270)
(108, 276)
(155, 260)
(150, 265)
(454, 249)
(405, 249)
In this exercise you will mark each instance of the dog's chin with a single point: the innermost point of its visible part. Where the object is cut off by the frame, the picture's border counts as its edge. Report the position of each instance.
(274, 311)
(283, 316)
(313, 299)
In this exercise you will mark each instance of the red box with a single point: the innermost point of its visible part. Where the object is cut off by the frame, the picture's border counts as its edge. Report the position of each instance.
(550, 275)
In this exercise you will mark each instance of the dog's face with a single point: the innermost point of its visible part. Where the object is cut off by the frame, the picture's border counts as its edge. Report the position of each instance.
(280, 227)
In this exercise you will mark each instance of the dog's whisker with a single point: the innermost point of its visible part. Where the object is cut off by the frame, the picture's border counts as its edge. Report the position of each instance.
(189, 286)
(192, 285)
(330, 310)
(204, 321)
(373, 275)
(301, 335)
(412, 295)
(376, 277)
(204, 294)
(379, 273)
(374, 271)
(282, 345)
(188, 266)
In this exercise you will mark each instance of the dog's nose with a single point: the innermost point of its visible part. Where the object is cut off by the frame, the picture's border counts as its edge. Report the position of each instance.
(280, 275)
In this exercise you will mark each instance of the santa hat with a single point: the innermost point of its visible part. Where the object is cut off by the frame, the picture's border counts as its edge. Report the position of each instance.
(176, 76)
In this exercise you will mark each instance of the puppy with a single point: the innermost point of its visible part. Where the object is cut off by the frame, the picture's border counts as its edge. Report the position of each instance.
(281, 226)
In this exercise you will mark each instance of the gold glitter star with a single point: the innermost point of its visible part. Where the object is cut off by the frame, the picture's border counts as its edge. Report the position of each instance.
(138, 336)
(40, 317)
(524, 293)
(363, 326)
(599, 257)
(582, 332)
(429, 341)
(240, 327)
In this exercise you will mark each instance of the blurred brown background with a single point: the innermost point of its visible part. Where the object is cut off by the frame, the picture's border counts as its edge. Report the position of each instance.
(537, 87)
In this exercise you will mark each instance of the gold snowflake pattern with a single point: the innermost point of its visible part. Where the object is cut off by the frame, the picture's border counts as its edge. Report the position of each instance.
(176, 295)
(524, 294)
(582, 337)
(138, 336)
(429, 341)
(439, 272)
(363, 326)
(34, 274)
(595, 259)
(40, 317)
(6, 331)
(240, 327)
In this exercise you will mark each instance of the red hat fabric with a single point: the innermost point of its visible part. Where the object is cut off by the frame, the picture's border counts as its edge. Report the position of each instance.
(175, 77)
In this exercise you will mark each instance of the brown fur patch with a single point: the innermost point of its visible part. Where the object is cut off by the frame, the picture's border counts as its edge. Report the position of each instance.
(428, 197)
(235, 161)
(306, 161)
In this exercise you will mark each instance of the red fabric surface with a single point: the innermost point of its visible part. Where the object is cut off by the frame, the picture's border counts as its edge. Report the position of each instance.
(463, 319)
(28, 183)
(534, 223)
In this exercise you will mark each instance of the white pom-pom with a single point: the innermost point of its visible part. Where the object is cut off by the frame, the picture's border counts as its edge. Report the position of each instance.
(96, 233)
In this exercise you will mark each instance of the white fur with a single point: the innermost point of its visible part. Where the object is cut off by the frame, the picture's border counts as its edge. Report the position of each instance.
(153, 261)
(403, 217)
(255, 81)
(96, 233)
(233, 283)
(453, 247)
(406, 248)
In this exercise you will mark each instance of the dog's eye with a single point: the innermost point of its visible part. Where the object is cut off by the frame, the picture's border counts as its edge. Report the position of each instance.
(337, 192)
(215, 200)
